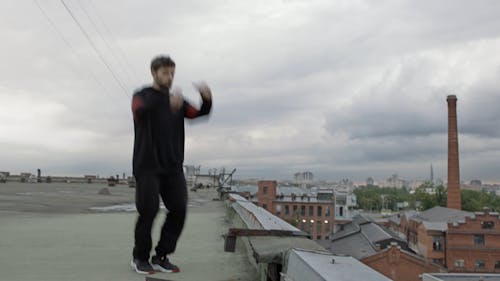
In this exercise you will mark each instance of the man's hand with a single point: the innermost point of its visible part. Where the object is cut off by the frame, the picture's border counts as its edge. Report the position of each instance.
(204, 90)
(176, 99)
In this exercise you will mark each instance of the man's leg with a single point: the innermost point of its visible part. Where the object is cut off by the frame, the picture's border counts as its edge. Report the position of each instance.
(147, 204)
(174, 195)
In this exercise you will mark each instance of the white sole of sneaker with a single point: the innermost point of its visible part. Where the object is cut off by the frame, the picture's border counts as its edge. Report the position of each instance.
(161, 269)
(134, 267)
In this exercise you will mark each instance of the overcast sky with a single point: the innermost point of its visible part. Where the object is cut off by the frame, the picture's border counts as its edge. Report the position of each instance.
(345, 89)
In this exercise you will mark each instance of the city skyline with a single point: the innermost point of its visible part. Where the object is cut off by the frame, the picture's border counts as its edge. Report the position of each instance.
(341, 89)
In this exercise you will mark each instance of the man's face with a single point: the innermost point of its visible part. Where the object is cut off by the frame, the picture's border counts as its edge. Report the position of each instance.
(164, 76)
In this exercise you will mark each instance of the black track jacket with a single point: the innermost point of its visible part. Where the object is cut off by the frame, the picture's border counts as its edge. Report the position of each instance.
(159, 132)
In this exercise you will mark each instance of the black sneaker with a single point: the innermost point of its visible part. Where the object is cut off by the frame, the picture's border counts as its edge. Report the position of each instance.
(163, 265)
(142, 267)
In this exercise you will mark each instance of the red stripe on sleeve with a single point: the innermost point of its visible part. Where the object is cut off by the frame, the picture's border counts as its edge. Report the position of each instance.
(191, 112)
(137, 103)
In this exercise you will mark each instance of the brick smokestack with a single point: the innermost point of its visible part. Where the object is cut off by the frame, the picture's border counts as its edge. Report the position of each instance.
(454, 197)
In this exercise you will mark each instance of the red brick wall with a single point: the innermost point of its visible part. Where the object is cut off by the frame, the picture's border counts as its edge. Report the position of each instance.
(425, 244)
(454, 200)
(267, 194)
(400, 266)
(461, 245)
(325, 230)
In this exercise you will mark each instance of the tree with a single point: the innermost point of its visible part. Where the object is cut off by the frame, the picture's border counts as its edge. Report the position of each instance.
(476, 200)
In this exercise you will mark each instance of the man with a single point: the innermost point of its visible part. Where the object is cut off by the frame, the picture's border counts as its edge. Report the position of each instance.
(158, 163)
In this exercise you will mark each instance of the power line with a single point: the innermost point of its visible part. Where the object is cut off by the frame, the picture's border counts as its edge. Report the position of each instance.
(120, 50)
(54, 26)
(60, 34)
(96, 49)
(123, 66)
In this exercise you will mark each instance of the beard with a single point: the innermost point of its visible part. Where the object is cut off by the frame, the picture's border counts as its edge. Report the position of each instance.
(164, 86)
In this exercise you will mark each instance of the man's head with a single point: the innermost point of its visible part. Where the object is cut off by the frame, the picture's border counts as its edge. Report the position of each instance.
(163, 70)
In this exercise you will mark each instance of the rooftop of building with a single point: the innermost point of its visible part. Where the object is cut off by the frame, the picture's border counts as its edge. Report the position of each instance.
(50, 227)
(436, 226)
(360, 238)
(60, 232)
(312, 266)
(396, 218)
(441, 214)
(289, 190)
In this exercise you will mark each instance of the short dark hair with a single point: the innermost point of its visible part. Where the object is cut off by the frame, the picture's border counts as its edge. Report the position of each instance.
(161, 61)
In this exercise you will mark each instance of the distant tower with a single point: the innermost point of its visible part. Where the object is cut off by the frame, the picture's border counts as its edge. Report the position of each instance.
(267, 194)
(432, 175)
(454, 197)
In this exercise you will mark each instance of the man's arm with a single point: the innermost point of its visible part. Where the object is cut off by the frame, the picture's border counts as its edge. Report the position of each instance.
(206, 96)
(140, 105)
(137, 108)
(191, 112)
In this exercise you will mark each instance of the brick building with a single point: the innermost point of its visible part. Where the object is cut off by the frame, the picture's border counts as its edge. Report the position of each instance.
(473, 245)
(312, 214)
(381, 249)
(431, 241)
(458, 240)
(362, 238)
(427, 229)
(400, 265)
(400, 222)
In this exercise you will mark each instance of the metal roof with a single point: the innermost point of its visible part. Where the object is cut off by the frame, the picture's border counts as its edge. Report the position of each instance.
(312, 266)
(441, 214)
(349, 229)
(256, 217)
(358, 238)
(438, 226)
(356, 245)
(374, 232)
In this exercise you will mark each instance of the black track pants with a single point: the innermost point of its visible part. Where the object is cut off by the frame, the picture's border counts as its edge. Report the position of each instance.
(172, 190)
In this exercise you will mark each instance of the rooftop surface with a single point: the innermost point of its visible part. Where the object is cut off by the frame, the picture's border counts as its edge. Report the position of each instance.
(359, 237)
(313, 266)
(442, 214)
(48, 232)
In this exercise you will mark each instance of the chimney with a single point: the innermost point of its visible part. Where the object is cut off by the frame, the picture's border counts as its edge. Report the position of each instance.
(454, 198)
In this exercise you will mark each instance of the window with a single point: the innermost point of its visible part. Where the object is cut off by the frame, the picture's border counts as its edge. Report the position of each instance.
(319, 211)
(327, 211)
(341, 211)
(302, 210)
(479, 239)
(295, 209)
(487, 225)
(459, 263)
(318, 237)
(278, 209)
(497, 265)
(264, 206)
(264, 189)
(479, 263)
(311, 211)
(287, 210)
(436, 243)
